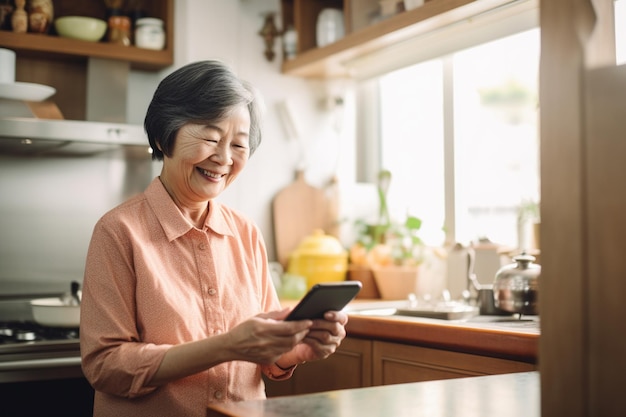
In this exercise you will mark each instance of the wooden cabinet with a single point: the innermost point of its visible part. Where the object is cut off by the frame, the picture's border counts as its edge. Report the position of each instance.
(396, 363)
(349, 367)
(365, 33)
(365, 362)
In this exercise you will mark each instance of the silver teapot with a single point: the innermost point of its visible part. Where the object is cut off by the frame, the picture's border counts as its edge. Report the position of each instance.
(516, 286)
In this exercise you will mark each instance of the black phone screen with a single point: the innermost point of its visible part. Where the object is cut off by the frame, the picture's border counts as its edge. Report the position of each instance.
(324, 297)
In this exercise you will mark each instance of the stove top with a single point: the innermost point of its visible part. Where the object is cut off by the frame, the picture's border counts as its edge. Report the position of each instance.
(27, 340)
(32, 352)
(23, 332)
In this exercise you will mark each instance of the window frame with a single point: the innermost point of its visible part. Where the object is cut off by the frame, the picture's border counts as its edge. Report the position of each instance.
(496, 24)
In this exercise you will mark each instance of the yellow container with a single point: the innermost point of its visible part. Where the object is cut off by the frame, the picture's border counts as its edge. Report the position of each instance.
(319, 258)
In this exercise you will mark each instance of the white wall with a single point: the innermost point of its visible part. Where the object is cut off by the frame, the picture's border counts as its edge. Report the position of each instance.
(228, 30)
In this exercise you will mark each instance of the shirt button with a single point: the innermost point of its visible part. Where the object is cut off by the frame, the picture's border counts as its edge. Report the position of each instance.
(219, 395)
(202, 246)
(212, 291)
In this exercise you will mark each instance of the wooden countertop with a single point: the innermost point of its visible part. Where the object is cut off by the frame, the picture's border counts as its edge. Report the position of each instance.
(509, 343)
(508, 338)
(511, 395)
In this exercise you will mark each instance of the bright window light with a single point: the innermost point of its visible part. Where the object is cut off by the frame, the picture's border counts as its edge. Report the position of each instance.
(493, 125)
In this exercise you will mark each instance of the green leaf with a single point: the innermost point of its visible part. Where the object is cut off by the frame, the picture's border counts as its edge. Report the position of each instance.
(413, 223)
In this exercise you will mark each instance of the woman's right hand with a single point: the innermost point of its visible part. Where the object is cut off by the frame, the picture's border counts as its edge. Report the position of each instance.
(261, 339)
(264, 338)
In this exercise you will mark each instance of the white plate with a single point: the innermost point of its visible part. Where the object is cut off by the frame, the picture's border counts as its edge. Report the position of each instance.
(26, 91)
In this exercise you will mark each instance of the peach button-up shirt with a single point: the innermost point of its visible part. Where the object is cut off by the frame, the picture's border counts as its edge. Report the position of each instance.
(152, 280)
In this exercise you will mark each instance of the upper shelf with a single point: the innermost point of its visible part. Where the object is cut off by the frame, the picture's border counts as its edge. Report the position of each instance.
(47, 46)
(51, 47)
(330, 61)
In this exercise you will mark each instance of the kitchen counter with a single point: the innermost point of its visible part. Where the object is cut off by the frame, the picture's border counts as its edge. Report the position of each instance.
(513, 395)
(499, 339)
(496, 336)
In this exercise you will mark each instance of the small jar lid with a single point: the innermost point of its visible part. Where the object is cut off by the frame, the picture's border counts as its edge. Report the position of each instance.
(153, 21)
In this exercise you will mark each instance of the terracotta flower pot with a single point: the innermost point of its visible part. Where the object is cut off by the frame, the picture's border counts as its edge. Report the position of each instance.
(365, 275)
(396, 282)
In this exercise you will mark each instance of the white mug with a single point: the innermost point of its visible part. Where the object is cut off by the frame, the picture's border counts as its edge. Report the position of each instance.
(7, 66)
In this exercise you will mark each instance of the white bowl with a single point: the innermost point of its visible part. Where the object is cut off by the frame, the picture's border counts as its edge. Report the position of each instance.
(81, 27)
(26, 91)
(53, 312)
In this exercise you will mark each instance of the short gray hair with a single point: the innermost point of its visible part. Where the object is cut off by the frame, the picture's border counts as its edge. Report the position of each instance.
(204, 91)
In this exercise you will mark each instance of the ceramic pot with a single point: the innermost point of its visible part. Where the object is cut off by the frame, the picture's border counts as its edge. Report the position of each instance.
(365, 275)
(396, 282)
(319, 258)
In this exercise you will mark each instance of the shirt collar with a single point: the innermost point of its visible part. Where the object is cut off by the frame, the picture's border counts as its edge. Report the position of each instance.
(172, 220)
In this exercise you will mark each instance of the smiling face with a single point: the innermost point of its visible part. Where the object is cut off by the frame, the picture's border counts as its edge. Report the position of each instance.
(206, 159)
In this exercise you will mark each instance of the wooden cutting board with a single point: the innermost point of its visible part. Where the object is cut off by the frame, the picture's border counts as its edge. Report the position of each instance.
(298, 209)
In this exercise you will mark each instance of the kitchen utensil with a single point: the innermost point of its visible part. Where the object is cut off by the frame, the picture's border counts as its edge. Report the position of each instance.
(73, 297)
(298, 210)
(484, 292)
(516, 286)
(81, 28)
(319, 258)
(54, 312)
(61, 311)
(486, 303)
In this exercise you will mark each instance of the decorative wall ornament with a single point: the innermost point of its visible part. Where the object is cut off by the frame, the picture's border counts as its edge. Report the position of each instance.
(269, 32)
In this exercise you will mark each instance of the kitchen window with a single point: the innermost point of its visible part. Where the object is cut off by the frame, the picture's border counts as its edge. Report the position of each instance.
(460, 134)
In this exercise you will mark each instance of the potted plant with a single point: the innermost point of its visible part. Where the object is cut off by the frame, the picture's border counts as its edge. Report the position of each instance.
(388, 250)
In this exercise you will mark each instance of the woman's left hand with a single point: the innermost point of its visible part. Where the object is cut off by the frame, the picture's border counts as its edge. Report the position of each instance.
(323, 338)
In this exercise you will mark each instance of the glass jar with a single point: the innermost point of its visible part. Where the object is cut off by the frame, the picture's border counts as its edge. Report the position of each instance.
(119, 29)
(149, 33)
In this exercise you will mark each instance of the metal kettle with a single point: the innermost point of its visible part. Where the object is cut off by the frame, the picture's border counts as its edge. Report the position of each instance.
(516, 286)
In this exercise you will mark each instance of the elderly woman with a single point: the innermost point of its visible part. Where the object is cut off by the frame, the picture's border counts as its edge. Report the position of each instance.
(178, 307)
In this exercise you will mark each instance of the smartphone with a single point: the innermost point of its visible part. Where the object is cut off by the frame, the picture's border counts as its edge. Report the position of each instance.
(324, 297)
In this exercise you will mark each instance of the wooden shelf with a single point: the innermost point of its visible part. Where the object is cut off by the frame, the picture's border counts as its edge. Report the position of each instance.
(330, 61)
(48, 46)
(53, 47)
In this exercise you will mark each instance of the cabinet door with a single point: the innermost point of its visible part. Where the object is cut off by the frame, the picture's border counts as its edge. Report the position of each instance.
(349, 367)
(395, 363)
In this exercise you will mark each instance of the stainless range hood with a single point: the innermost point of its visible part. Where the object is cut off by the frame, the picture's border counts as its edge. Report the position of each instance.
(23, 135)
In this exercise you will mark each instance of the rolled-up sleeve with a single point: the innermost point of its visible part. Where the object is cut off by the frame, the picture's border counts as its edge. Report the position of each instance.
(114, 359)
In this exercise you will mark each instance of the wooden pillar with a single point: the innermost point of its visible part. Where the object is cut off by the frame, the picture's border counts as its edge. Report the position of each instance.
(578, 159)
